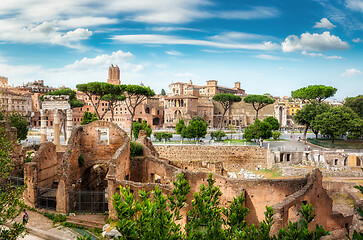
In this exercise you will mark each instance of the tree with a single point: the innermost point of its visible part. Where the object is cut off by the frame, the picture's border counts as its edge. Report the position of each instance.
(162, 93)
(88, 117)
(114, 99)
(276, 135)
(355, 128)
(316, 93)
(137, 126)
(226, 100)
(10, 196)
(95, 91)
(307, 114)
(273, 122)
(219, 135)
(135, 96)
(334, 122)
(180, 126)
(198, 127)
(258, 130)
(258, 102)
(2, 117)
(356, 104)
(20, 123)
(163, 135)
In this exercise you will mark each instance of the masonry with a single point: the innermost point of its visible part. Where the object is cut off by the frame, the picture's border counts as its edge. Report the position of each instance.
(234, 157)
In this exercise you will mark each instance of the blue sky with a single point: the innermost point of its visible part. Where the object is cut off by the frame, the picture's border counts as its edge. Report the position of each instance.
(268, 46)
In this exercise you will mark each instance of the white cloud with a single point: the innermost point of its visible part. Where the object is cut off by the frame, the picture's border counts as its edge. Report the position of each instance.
(356, 5)
(238, 36)
(173, 40)
(350, 72)
(313, 42)
(174, 53)
(268, 57)
(324, 23)
(311, 54)
(357, 40)
(171, 29)
(254, 13)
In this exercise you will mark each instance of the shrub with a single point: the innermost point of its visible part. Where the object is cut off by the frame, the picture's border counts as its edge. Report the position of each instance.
(219, 134)
(276, 135)
(136, 149)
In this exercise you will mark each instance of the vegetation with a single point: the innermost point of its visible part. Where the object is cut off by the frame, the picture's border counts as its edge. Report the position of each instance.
(219, 135)
(136, 149)
(20, 123)
(72, 100)
(358, 235)
(356, 104)
(180, 126)
(10, 196)
(197, 129)
(95, 91)
(276, 135)
(226, 100)
(158, 218)
(88, 117)
(114, 99)
(2, 117)
(275, 125)
(258, 102)
(258, 130)
(163, 136)
(337, 121)
(314, 93)
(135, 96)
(137, 126)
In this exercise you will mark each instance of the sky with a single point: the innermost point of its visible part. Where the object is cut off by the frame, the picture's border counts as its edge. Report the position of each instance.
(269, 46)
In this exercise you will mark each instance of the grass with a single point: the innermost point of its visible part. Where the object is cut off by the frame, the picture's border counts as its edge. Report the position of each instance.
(341, 198)
(339, 144)
(268, 173)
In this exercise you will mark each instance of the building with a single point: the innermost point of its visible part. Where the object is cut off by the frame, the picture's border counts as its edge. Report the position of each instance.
(13, 100)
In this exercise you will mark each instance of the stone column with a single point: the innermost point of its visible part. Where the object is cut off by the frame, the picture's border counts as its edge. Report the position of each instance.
(43, 126)
(56, 128)
(69, 123)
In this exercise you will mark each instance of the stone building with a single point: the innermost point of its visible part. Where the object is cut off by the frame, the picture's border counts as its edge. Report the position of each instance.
(12, 100)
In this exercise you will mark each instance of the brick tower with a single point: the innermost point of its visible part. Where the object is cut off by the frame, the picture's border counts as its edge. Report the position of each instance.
(114, 75)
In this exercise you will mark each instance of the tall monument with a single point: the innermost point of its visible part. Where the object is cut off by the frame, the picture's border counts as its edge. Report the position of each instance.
(114, 75)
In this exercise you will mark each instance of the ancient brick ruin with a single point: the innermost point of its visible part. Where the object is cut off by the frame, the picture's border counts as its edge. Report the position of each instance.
(97, 159)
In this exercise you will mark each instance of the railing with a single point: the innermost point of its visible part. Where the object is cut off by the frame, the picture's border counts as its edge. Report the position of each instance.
(46, 198)
(88, 201)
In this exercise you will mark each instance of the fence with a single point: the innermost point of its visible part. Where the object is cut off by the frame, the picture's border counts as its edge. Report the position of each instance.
(13, 181)
(46, 198)
(88, 201)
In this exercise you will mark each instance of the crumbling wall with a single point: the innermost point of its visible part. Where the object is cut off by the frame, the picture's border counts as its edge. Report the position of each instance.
(234, 157)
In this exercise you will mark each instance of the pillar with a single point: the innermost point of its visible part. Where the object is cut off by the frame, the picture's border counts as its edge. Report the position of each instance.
(43, 126)
(69, 123)
(56, 128)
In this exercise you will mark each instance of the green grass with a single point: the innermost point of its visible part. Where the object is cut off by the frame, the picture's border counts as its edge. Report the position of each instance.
(339, 144)
(268, 173)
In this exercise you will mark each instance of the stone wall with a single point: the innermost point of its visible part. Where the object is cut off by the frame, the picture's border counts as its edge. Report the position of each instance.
(233, 157)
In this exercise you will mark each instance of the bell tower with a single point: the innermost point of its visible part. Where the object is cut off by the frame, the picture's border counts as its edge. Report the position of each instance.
(114, 75)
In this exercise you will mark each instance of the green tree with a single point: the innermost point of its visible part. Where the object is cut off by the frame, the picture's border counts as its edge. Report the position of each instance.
(315, 93)
(137, 126)
(276, 135)
(219, 135)
(355, 128)
(2, 117)
(198, 126)
(162, 93)
(135, 95)
(10, 196)
(114, 99)
(356, 104)
(307, 114)
(334, 122)
(180, 126)
(258, 130)
(20, 123)
(163, 135)
(95, 91)
(273, 122)
(188, 133)
(258, 102)
(226, 100)
(88, 117)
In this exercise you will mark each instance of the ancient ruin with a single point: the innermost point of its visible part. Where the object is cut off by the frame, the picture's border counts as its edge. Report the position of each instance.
(96, 162)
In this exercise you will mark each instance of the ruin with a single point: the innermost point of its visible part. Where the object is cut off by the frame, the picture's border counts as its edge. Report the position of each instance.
(96, 162)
